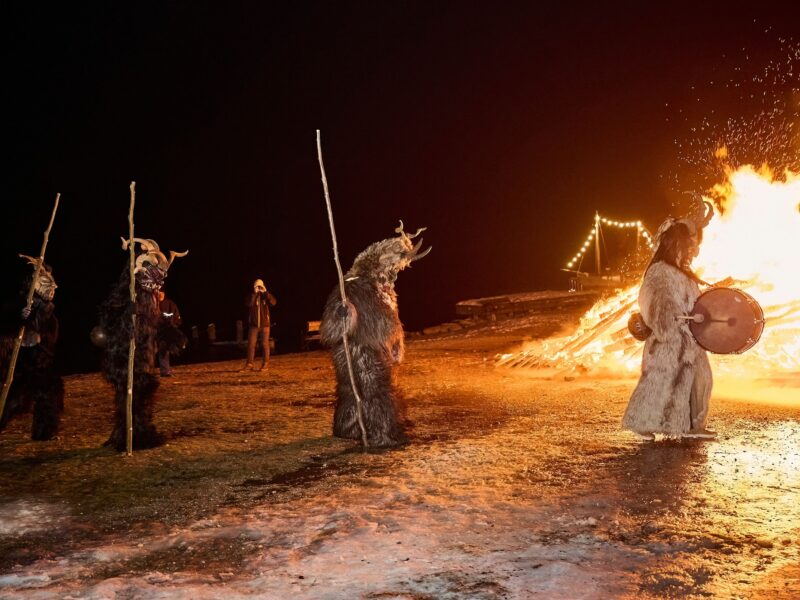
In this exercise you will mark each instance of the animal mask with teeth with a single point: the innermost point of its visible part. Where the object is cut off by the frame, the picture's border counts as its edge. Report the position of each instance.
(383, 260)
(45, 285)
(151, 264)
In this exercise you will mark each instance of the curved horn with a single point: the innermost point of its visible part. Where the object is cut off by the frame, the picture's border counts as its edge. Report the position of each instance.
(404, 234)
(30, 259)
(173, 255)
(709, 213)
(414, 254)
(423, 255)
(147, 245)
(139, 266)
(155, 258)
(161, 259)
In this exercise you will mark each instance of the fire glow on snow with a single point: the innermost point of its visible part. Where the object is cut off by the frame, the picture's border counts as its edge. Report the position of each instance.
(754, 238)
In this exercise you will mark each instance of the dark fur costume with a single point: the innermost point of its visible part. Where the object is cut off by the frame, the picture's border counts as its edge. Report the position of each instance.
(376, 341)
(36, 383)
(115, 332)
(115, 322)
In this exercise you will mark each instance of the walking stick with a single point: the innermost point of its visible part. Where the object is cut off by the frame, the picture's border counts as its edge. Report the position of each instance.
(29, 302)
(359, 415)
(132, 347)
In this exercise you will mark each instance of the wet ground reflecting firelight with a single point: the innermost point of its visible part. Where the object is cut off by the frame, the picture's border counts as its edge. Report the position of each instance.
(515, 484)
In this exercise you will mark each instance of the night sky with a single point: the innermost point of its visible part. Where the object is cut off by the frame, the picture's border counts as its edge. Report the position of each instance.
(501, 127)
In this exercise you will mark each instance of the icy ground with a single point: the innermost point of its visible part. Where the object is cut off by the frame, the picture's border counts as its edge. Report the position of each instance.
(516, 485)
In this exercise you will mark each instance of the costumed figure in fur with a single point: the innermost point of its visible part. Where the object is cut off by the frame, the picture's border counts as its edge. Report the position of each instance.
(36, 384)
(375, 337)
(114, 334)
(672, 395)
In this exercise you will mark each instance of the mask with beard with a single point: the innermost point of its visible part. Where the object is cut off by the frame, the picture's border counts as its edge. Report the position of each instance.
(45, 285)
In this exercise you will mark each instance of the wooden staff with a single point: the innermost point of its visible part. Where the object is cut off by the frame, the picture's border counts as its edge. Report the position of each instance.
(344, 295)
(29, 302)
(132, 347)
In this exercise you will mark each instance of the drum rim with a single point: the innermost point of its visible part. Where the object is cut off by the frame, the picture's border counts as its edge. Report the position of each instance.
(751, 341)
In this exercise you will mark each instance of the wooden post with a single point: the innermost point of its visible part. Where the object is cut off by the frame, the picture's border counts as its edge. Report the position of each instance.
(132, 347)
(638, 236)
(359, 412)
(597, 242)
(28, 303)
(239, 331)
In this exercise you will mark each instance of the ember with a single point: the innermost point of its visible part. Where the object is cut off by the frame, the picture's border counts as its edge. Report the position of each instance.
(755, 239)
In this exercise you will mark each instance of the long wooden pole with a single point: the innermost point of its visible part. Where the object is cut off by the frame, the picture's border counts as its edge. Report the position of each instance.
(132, 347)
(597, 242)
(359, 414)
(28, 303)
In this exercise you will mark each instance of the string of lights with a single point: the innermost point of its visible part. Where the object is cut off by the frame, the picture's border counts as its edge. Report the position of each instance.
(641, 230)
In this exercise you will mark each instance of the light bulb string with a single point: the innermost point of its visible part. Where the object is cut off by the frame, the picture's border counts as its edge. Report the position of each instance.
(642, 230)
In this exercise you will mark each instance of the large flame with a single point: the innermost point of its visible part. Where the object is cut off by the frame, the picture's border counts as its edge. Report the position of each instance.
(754, 238)
(757, 239)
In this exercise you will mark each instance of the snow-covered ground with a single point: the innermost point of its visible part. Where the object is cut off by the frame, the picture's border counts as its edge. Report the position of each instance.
(516, 485)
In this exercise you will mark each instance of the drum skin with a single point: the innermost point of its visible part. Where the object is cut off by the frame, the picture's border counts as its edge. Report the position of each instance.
(732, 321)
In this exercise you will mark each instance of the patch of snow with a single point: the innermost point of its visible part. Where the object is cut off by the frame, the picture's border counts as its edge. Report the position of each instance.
(23, 581)
(22, 517)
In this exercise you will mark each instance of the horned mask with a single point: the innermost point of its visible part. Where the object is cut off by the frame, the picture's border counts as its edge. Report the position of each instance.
(696, 221)
(385, 259)
(151, 264)
(45, 284)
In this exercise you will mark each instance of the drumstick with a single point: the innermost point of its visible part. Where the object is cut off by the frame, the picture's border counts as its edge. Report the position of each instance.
(699, 318)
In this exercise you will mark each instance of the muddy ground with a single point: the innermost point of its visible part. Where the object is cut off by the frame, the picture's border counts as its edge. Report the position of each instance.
(516, 484)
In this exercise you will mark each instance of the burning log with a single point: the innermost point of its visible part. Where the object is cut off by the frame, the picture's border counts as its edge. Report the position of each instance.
(588, 337)
(788, 312)
(624, 344)
(751, 245)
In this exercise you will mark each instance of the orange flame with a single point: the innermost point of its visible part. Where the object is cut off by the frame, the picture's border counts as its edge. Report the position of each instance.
(754, 238)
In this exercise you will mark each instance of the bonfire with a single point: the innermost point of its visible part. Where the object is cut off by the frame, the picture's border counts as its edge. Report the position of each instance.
(754, 239)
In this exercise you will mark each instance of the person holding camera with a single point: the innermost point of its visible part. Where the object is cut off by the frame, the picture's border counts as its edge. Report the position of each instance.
(258, 304)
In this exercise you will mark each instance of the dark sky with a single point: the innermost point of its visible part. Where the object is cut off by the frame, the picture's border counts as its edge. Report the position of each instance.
(499, 126)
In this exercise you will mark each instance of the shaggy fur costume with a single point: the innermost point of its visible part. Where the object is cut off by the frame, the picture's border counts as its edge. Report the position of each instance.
(673, 392)
(36, 383)
(376, 341)
(115, 322)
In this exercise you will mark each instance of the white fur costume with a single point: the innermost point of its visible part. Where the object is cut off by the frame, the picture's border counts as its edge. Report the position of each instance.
(673, 392)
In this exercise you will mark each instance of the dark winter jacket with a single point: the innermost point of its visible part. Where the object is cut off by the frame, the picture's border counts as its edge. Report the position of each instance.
(168, 307)
(258, 309)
